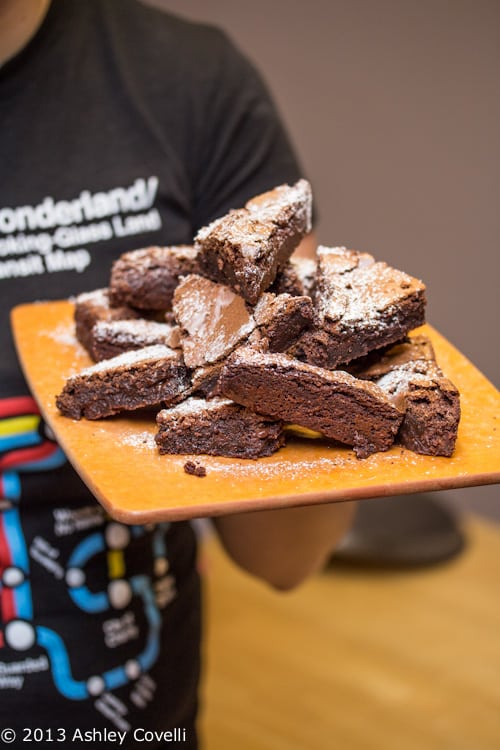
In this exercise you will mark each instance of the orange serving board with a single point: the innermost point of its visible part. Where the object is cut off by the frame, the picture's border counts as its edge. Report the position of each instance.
(118, 460)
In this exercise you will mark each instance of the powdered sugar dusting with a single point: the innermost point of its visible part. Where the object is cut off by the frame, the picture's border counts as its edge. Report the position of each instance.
(297, 197)
(157, 256)
(306, 269)
(139, 440)
(195, 405)
(283, 469)
(135, 332)
(64, 334)
(128, 359)
(98, 297)
(249, 226)
(400, 378)
(362, 293)
(214, 319)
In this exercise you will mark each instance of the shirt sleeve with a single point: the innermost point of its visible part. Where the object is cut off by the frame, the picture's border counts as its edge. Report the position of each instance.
(245, 148)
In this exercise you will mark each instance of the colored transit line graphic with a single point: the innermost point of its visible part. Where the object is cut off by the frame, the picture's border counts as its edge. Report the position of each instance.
(25, 447)
(24, 442)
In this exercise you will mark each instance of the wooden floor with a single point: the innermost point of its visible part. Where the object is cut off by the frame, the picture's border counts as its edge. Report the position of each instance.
(356, 661)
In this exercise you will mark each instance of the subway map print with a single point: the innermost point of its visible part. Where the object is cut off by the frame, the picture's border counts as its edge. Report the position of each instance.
(25, 446)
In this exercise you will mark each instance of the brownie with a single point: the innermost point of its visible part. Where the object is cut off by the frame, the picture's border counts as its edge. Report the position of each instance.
(335, 403)
(146, 377)
(246, 248)
(110, 338)
(205, 380)
(213, 320)
(410, 376)
(289, 206)
(281, 319)
(381, 361)
(360, 305)
(297, 277)
(146, 278)
(91, 307)
(218, 427)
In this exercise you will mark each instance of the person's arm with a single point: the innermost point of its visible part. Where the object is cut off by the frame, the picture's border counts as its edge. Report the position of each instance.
(285, 546)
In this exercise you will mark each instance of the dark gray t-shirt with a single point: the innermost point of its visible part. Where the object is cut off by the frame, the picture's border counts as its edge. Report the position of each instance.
(120, 127)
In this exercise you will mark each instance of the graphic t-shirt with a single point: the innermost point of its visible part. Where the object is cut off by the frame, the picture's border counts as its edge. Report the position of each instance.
(120, 127)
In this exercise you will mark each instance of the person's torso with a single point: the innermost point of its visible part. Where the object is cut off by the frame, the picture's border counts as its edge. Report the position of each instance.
(99, 621)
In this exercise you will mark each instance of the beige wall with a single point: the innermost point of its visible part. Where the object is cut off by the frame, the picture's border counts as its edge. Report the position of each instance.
(394, 108)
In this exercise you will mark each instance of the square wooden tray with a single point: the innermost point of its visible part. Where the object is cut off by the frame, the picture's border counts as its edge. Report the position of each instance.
(118, 460)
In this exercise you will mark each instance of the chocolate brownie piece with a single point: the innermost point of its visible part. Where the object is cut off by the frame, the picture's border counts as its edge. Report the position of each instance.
(146, 278)
(297, 277)
(213, 320)
(411, 377)
(381, 361)
(218, 427)
(288, 206)
(205, 380)
(91, 307)
(341, 407)
(146, 377)
(360, 305)
(110, 338)
(281, 319)
(245, 248)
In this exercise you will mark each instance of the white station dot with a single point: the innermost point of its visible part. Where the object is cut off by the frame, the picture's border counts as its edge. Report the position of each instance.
(132, 669)
(13, 577)
(20, 635)
(95, 685)
(75, 577)
(120, 593)
(117, 536)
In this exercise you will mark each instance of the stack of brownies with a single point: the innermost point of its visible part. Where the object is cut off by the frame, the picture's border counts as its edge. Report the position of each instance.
(233, 340)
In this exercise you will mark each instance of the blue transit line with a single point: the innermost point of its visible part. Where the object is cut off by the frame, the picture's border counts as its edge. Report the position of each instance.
(89, 601)
(99, 602)
(89, 547)
(159, 543)
(141, 585)
(21, 440)
(138, 531)
(15, 539)
(56, 459)
(115, 678)
(11, 485)
(23, 601)
(60, 666)
(17, 544)
(15, 536)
